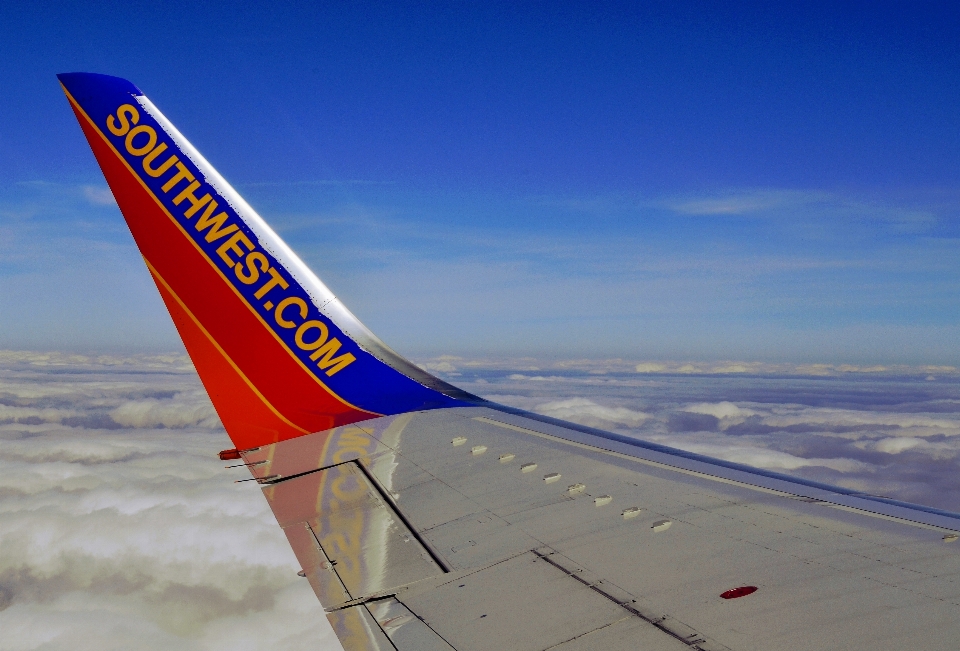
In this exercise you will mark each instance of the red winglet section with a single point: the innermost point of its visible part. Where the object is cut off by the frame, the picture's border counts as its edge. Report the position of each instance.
(277, 353)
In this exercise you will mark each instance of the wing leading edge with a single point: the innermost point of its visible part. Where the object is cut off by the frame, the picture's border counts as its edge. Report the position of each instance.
(426, 518)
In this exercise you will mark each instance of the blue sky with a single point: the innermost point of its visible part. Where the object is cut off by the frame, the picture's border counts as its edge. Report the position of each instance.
(646, 180)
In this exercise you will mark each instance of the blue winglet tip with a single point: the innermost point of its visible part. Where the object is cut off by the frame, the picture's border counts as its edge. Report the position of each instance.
(83, 83)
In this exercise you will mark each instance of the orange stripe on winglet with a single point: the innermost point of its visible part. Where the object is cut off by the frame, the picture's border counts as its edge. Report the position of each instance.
(250, 420)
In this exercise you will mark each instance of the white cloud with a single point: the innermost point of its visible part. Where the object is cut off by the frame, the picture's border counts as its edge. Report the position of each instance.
(741, 203)
(807, 206)
(731, 206)
(852, 368)
(897, 444)
(194, 411)
(920, 424)
(761, 457)
(520, 377)
(722, 410)
(587, 412)
(649, 367)
(734, 368)
(99, 196)
(134, 535)
(440, 367)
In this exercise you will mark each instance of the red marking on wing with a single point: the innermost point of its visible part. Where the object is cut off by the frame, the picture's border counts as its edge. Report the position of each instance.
(736, 593)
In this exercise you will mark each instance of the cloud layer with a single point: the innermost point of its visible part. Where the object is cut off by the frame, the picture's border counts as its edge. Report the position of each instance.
(120, 528)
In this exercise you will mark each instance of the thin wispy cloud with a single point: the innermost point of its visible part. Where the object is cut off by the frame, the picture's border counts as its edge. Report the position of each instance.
(436, 271)
(99, 196)
(522, 368)
(740, 203)
(906, 216)
(312, 182)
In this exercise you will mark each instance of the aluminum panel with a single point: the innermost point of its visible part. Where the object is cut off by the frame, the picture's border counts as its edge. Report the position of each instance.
(371, 548)
(627, 634)
(357, 630)
(315, 565)
(406, 631)
(520, 604)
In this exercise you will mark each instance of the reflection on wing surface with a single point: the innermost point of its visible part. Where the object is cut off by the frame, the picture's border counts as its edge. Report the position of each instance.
(526, 564)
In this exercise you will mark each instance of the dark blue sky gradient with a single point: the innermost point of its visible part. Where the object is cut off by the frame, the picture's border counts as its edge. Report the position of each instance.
(655, 96)
(657, 179)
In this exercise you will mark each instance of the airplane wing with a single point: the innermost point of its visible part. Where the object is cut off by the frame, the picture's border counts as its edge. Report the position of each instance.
(427, 518)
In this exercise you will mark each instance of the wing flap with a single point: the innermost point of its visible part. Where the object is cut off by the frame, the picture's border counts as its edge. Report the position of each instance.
(357, 630)
(406, 631)
(318, 569)
(359, 534)
(521, 603)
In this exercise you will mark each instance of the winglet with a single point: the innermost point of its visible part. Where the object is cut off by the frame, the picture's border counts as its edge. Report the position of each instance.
(278, 353)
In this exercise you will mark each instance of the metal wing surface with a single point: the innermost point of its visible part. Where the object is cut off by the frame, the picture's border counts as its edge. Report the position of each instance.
(476, 528)
(427, 518)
